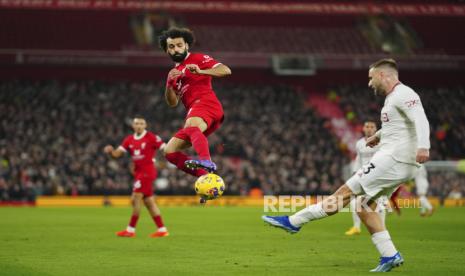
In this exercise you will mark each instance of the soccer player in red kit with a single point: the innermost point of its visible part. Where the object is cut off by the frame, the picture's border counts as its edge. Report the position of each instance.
(142, 146)
(190, 82)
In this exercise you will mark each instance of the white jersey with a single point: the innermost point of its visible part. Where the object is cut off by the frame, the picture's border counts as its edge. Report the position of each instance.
(405, 127)
(364, 154)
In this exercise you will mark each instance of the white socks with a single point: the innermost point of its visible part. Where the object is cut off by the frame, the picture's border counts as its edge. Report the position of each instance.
(424, 203)
(162, 229)
(353, 209)
(312, 212)
(131, 229)
(384, 244)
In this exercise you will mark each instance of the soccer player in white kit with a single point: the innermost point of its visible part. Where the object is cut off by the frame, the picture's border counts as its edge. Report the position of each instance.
(364, 155)
(404, 145)
(421, 184)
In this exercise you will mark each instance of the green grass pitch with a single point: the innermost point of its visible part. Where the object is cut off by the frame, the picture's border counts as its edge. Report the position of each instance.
(218, 241)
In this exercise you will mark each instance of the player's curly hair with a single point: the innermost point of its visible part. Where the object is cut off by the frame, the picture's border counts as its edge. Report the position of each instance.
(175, 32)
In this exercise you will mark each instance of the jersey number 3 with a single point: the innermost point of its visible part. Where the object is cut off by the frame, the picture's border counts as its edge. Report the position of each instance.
(368, 168)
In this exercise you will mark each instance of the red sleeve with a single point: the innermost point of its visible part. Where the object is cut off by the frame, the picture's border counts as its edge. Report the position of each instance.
(206, 62)
(125, 143)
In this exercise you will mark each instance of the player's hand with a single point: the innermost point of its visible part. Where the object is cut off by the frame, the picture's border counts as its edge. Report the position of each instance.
(422, 155)
(108, 149)
(194, 68)
(174, 74)
(372, 141)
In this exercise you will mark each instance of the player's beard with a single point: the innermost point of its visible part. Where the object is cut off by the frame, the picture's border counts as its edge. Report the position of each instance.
(378, 91)
(178, 57)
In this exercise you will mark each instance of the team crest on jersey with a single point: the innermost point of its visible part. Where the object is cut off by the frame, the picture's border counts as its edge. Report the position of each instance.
(143, 145)
(207, 58)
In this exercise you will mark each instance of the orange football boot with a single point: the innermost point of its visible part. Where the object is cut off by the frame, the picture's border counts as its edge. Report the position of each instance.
(125, 234)
(159, 234)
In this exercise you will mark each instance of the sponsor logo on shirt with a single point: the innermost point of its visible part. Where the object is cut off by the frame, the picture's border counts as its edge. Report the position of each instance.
(412, 103)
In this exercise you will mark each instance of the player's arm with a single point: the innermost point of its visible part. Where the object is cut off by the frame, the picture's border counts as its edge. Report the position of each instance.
(171, 97)
(219, 70)
(413, 109)
(115, 153)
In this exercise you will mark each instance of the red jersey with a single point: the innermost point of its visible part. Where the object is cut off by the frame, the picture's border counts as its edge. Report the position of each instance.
(142, 150)
(192, 87)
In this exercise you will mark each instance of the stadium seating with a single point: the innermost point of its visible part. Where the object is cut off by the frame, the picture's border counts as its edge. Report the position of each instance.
(52, 136)
(318, 40)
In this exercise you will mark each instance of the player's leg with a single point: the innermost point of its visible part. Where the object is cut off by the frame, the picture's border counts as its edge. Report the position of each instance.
(329, 206)
(195, 128)
(368, 175)
(173, 153)
(155, 213)
(381, 203)
(421, 184)
(380, 237)
(136, 202)
(355, 229)
(393, 200)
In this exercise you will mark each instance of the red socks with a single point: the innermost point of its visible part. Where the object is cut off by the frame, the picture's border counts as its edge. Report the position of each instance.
(199, 142)
(178, 159)
(133, 221)
(158, 221)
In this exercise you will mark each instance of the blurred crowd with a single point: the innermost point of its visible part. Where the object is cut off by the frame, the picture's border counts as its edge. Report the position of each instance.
(52, 136)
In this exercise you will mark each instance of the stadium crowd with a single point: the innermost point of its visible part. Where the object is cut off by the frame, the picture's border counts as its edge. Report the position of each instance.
(52, 135)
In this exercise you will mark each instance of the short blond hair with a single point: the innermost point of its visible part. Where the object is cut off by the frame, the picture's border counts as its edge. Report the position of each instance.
(385, 62)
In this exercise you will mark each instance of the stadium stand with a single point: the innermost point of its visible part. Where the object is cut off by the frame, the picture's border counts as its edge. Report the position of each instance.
(53, 134)
(56, 131)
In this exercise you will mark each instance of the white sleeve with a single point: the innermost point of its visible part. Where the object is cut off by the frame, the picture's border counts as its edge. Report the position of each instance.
(412, 107)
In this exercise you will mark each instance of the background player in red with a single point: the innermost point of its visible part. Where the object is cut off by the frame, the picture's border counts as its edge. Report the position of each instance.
(142, 146)
(190, 82)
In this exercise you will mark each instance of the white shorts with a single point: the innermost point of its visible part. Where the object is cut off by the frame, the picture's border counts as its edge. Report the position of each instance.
(381, 176)
(421, 181)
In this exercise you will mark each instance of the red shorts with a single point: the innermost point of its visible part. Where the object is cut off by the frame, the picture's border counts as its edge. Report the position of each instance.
(210, 111)
(144, 184)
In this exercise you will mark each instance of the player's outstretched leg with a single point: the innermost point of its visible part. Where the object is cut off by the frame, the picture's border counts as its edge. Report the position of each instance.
(194, 129)
(327, 207)
(130, 231)
(390, 257)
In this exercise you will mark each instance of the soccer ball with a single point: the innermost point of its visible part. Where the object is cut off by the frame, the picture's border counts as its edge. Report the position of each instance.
(209, 186)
